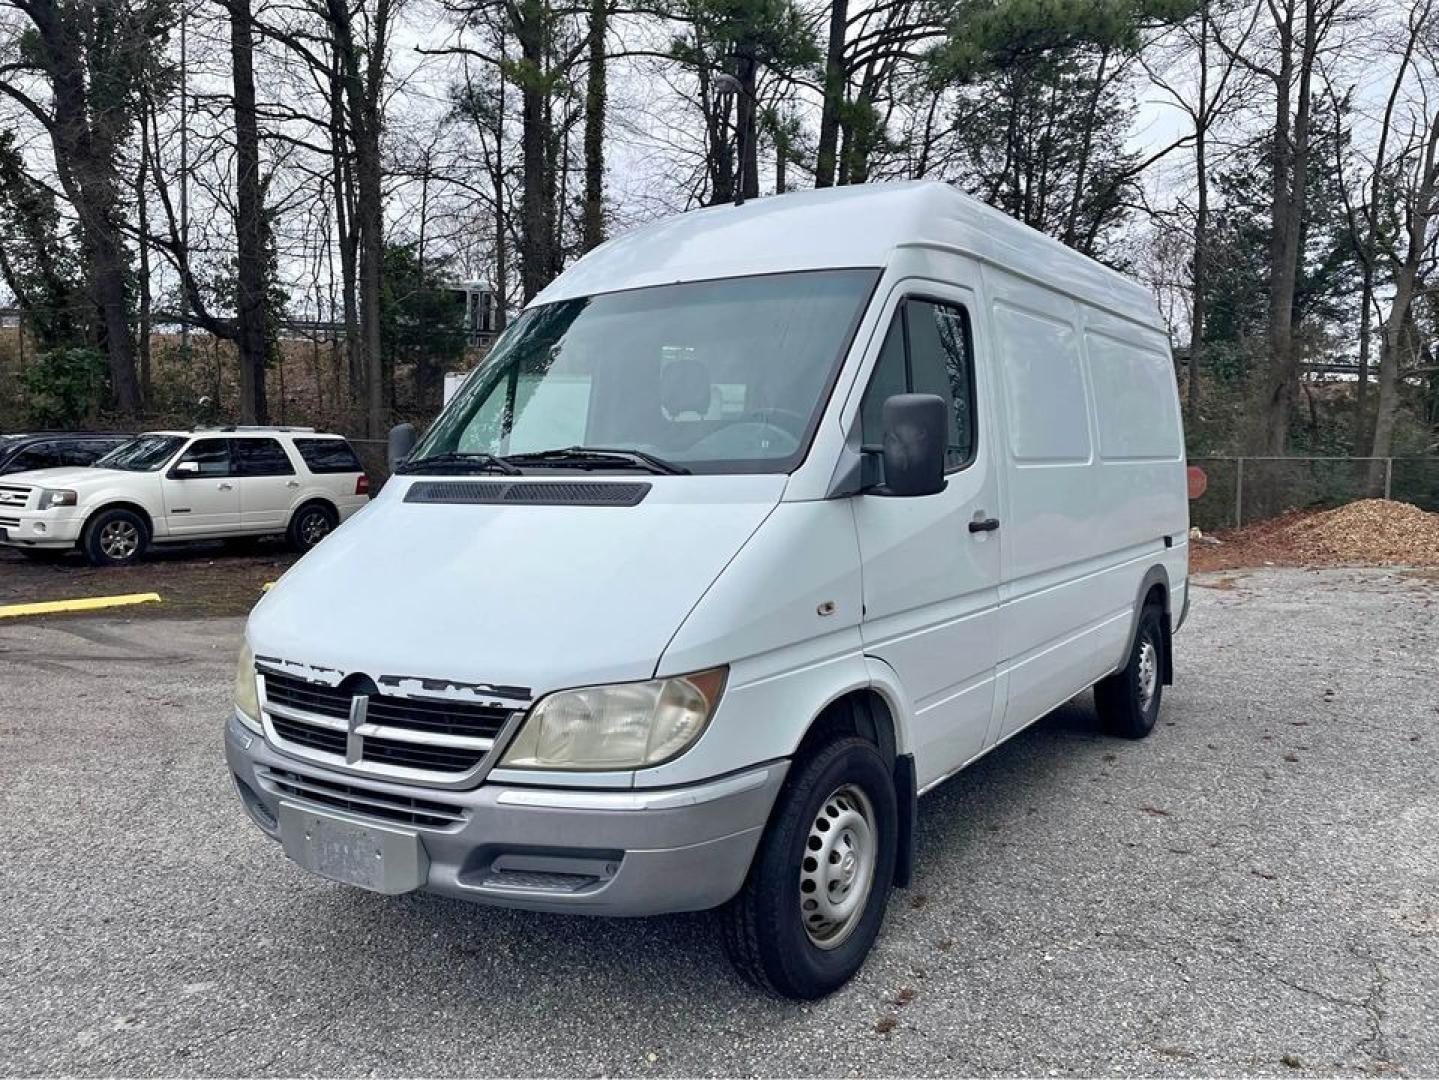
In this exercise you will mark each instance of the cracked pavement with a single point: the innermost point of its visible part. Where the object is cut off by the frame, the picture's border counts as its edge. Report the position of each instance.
(1252, 890)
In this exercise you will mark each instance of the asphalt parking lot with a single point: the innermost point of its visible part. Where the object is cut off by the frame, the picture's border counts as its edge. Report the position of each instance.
(1254, 889)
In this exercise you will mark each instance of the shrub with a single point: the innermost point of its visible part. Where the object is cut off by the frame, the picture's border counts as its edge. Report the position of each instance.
(64, 386)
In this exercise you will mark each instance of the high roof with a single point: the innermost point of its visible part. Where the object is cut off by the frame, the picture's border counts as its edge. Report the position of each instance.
(853, 226)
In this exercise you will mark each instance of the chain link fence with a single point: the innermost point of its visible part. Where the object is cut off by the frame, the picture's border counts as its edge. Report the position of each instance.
(1242, 490)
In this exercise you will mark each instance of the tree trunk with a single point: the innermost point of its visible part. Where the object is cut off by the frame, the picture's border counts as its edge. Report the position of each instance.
(501, 284)
(534, 236)
(250, 285)
(748, 128)
(1391, 348)
(343, 182)
(834, 80)
(143, 246)
(364, 94)
(1288, 183)
(1198, 308)
(595, 89)
(371, 223)
(1366, 332)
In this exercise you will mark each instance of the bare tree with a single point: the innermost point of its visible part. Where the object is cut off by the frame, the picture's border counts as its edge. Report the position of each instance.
(1288, 59)
(1216, 88)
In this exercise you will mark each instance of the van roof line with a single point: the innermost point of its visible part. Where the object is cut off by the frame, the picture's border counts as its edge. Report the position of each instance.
(860, 225)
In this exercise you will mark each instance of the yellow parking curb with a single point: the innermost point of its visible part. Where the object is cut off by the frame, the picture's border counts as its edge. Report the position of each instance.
(88, 603)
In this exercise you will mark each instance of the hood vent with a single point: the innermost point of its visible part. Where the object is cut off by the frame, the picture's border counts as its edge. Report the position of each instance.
(527, 493)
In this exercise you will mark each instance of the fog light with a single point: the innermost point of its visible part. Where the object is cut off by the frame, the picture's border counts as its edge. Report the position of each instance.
(39, 526)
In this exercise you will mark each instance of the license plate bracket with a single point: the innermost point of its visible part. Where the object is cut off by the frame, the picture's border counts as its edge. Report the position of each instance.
(380, 858)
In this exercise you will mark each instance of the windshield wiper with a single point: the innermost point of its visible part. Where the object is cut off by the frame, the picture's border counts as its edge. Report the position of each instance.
(584, 457)
(458, 461)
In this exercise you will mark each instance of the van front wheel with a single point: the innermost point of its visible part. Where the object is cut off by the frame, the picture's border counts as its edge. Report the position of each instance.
(812, 905)
(1128, 700)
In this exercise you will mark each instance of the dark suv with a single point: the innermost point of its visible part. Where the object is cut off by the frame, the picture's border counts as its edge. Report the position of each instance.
(54, 449)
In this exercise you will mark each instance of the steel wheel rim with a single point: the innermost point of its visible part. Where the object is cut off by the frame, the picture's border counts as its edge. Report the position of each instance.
(1148, 673)
(837, 871)
(314, 527)
(119, 540)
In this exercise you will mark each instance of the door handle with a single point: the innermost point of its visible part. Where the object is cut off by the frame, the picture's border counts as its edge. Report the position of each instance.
(979, 525)
(225, 487)
(292, 483)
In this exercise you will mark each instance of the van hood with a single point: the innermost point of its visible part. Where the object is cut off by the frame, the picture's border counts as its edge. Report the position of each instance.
(534, 596)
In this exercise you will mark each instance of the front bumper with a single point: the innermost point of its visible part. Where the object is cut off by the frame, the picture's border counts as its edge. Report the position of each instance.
(631, 852)
(34, 529)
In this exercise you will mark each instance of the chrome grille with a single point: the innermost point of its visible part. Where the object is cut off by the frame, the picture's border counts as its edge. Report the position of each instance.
(14, 495)
(293, 693)
(317, 738)
(365, 801)
(9, 522)
(353, 725)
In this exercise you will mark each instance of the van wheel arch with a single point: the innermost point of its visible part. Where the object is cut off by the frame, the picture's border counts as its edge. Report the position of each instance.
(1153, 591)
(864, 713)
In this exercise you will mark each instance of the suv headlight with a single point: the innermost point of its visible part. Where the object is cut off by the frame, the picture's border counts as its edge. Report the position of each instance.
(623, 726)
(247, 692)
(50, 497)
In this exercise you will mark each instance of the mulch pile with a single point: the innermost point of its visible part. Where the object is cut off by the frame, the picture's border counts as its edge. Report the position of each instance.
(1370, 532)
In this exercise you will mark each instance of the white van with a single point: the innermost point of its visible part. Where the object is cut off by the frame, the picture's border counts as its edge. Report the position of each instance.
(756, 525)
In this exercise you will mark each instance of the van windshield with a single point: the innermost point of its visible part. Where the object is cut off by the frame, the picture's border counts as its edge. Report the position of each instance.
(714, 376)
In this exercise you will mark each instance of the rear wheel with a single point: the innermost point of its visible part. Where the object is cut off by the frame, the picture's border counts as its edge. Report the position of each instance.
(1128, 700)
(311, 524)
(115, 537)
(815, 897)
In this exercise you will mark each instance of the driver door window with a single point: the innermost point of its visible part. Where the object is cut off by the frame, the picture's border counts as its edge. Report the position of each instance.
(926, 351)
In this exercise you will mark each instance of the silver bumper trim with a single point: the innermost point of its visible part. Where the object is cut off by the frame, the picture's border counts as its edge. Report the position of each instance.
(663, 799)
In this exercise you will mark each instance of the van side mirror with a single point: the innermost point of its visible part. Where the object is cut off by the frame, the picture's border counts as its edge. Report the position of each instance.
(186, 468)
(402, 441)
(916, 432)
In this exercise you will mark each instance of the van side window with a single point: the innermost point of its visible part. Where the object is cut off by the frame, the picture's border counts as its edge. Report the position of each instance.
(927, 351)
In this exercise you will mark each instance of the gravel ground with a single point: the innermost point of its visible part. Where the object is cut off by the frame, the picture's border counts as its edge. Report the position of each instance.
(1254, 889)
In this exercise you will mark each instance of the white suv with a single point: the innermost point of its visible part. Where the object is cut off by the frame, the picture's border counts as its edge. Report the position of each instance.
(168, 486)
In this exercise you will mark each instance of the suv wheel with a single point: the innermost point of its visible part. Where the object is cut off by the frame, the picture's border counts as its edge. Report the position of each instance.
(811, 908)
(311, 524)
(115, 537)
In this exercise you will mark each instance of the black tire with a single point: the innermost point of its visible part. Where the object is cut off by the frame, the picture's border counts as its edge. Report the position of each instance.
(1128, 701)
(764, 927)
(310, 524)
(115, 537)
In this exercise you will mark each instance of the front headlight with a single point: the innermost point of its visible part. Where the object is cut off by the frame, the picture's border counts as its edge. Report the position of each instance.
(56, 497)
(624, 726)
(247, 693)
